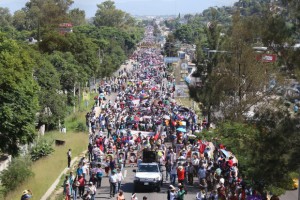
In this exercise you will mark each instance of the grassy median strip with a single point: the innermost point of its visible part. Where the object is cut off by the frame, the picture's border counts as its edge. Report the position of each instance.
(47, 169)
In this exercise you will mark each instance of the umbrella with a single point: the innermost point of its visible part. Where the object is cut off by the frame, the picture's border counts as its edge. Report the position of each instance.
(181, 129)
(158, 123)
(192, 136)
(166, 117)
(226, 153)
(180, 117)
(183, 109)
(254, 197)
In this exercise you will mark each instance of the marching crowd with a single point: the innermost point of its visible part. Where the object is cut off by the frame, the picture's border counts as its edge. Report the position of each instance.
(144, 115)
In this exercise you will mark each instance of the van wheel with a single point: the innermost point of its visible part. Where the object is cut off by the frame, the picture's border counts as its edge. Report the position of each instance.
(135, 189)
(158, 189)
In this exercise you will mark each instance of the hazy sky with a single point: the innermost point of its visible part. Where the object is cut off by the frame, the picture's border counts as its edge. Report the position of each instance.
(137, 7)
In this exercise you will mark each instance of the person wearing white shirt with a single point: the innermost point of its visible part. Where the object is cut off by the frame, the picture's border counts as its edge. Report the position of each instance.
(120, 179)
(113, 179)
(173, 194)
(92, 190)
(85, 170)
(195, 163)
(173, 157)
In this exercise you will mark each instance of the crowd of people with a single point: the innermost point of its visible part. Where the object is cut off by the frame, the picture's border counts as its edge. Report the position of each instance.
(136, 111)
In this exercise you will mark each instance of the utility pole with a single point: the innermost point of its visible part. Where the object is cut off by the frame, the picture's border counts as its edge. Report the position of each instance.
(79, 97)
(74, 94)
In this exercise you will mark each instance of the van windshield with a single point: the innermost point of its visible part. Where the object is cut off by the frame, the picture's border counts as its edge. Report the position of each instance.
(148, 168)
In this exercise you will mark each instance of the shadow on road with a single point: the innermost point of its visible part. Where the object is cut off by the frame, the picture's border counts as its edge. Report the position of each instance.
(127, 187)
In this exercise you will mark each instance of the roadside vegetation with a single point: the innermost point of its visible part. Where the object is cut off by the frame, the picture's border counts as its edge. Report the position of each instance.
(50, 54)
(253, 102)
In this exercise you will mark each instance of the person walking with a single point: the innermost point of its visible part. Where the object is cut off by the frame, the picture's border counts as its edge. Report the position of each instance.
(66, 181)
(181, 174)
(71, 181)
(69, 155)
(113, 183)
(81, 181)
(171, 193)
(190, 171)
(120, 179)
(92, 190)
(173, 174)
(68, 191)
(99, 175)
(120, 195)
(168, 169)
(181, 193)
(75, 186)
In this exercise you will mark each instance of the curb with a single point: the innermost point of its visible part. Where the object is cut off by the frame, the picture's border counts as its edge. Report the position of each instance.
(56, 182)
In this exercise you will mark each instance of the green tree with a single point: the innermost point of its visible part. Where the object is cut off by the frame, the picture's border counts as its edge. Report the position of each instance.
(262, 146)
(52, 101)
(18, 171)
(5, 17)
(77, 17)
(84, 50)
(71, 73)
(185, 34)
(209, 92)
(170, 49)
(45, 15)
(277, 131)
(108, 15)
(18, 97)
(19, 20)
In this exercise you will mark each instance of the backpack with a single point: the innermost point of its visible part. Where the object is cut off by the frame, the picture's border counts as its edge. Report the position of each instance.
(99, 174)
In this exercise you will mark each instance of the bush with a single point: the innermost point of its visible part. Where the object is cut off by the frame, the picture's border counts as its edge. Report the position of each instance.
(81, 127)
(17, 172)
(41, 149)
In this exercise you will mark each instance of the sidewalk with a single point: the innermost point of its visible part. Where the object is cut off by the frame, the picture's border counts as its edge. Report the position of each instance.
(56, 182)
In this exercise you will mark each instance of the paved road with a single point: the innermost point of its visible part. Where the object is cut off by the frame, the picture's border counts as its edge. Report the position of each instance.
(127, 187)
(290, 195)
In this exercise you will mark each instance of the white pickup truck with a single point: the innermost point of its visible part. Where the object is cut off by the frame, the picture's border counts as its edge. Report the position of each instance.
(148, 175)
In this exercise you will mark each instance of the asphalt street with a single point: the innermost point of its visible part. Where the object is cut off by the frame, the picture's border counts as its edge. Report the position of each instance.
(127, 184)
(127, 187)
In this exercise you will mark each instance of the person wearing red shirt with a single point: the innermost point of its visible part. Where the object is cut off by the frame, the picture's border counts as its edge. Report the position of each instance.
(81, 181)
(180, 174)
(230, 161)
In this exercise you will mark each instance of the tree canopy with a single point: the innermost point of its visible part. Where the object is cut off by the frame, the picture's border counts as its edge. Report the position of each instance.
(18, 96)
(42, 67)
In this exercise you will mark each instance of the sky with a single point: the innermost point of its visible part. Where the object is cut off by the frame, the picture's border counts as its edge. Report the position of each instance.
(137, 7)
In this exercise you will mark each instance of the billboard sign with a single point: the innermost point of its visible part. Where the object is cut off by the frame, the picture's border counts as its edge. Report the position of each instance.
(171, 59)
(268, 58)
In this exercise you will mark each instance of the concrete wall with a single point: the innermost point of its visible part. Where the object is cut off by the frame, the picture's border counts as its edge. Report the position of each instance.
(4, 161)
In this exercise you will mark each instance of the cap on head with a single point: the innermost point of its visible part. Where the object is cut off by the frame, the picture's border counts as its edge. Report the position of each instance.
(222, 181)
